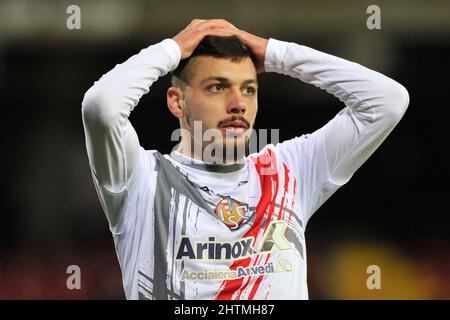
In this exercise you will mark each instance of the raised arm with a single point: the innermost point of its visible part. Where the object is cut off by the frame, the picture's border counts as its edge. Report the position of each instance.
(374, 102)
(327, 158)
(111, 141)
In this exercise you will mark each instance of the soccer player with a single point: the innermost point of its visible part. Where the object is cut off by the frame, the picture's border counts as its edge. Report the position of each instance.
(186, 227)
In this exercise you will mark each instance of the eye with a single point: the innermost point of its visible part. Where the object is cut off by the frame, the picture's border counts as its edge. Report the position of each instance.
(250, 90)
(215, 88)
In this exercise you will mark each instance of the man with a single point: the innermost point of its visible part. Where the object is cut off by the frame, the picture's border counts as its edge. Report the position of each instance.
(187, 227)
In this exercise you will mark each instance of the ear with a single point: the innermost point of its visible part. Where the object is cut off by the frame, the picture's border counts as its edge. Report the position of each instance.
(175, 101)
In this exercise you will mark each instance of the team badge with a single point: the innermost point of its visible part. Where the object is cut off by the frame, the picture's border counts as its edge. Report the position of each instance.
(231, 212)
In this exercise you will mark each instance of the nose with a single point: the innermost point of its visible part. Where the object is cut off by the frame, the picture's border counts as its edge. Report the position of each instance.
(236, 102)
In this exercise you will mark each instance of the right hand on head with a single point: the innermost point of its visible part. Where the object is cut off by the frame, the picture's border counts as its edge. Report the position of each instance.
(189, 38)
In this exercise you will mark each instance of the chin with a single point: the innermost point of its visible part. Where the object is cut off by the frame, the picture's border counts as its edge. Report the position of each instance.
(226, 151)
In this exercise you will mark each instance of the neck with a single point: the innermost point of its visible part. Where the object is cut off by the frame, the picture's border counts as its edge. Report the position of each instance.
(209, 153)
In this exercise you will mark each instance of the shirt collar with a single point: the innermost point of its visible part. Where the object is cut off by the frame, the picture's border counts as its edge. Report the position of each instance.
(201, 165)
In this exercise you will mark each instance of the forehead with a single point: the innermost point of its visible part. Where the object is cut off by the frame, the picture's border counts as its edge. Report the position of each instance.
(236, 71)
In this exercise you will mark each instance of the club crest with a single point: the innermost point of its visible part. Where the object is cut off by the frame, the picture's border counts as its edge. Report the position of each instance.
(231, 212)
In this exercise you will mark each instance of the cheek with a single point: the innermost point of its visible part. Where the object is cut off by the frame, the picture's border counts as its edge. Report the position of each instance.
(205, 106)
(252, 109)
(200, 110)
(198, 103)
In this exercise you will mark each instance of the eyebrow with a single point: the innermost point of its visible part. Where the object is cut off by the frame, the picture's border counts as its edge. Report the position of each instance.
(226, 80)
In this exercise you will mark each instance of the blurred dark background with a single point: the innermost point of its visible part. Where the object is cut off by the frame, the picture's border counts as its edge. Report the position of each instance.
(394, 213)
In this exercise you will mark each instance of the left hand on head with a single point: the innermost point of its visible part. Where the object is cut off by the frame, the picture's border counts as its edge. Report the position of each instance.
(257, 45)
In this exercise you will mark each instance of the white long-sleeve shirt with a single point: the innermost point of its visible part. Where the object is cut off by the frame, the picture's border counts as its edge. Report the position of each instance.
(193, 231)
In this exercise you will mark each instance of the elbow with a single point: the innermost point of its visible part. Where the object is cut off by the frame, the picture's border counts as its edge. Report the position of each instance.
(396, 101)
(97, 107)
(402, 99)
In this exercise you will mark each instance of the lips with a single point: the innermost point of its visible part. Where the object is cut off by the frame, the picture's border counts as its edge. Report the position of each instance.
(235, 124)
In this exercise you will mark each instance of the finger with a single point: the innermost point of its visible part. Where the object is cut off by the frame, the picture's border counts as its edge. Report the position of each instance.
(214, 23)
(197, 21)
(232, 26)
(224, 23)
(217, 32)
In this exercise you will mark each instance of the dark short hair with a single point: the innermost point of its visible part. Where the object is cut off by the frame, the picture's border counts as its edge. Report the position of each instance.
(231, 47)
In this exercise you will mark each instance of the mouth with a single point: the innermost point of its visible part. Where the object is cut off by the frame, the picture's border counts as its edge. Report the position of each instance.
(235, 127)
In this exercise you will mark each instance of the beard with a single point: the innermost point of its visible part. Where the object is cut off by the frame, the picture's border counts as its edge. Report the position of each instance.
(214, 146)
(235, 149)
(225, 150)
